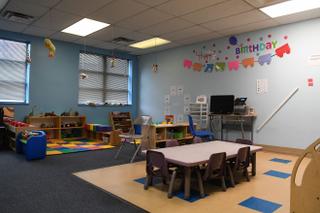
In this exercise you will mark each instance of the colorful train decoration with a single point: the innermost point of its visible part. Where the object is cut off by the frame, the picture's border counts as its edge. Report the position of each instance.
(234, 65)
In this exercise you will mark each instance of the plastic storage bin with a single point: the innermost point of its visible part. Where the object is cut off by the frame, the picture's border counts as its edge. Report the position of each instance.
(34, 147)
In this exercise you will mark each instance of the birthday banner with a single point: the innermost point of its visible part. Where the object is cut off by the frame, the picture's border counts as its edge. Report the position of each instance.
(209, 60)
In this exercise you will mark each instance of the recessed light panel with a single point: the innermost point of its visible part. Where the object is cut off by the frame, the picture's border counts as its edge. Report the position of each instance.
(85, 27)
(153, 42)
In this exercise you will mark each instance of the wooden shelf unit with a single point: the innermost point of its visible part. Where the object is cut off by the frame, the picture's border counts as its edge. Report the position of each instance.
(121, 121)
(164, 132)
(60, 127)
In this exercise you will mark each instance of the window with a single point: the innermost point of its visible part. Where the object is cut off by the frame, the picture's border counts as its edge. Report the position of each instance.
(104, 80)
(14, 71)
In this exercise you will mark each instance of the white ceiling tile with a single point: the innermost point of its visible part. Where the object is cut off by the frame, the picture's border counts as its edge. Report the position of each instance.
(12, 26)
(56, 20)
(249, 27)
(218, 11)
(180, 7)
(299, 16)
(263, 3)
(199, 38)
(167, 26)
(137, 36)
(186, 33)
(87, 41)
(81, 8)
(64, 37)
(236, 20)
(47, 3)
(26, 8)
(117, 10)
(37, 31)
(109, 33)
(105, 45)
(152, 3)
(144, 19)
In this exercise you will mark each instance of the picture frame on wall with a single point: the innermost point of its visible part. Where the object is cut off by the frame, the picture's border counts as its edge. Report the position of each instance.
(201, 99)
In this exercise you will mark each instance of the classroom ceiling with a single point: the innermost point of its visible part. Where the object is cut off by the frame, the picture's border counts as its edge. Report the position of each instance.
(180, 21)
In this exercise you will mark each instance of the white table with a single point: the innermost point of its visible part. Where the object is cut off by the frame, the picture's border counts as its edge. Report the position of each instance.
(192, 155)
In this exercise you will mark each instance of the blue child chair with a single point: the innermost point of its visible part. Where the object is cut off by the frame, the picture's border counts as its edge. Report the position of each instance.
(199, 133)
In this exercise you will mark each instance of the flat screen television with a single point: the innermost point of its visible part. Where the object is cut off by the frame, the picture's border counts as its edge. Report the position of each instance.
(222, 104)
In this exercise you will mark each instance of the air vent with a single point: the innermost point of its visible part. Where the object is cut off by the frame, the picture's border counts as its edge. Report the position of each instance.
(122, 40)
(17, 17)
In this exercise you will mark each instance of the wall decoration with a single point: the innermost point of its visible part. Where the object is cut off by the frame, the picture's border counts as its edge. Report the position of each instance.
(314, 60)
(50, 46)
(167, 99)
(261, 52)
(310, 82)
(186, 109)
(173, 90)
(209, 68)
(262, 86)
(187, 63)
(179, 90)
(219, 67)
(201, 99)
(187, 99)
(197, 67)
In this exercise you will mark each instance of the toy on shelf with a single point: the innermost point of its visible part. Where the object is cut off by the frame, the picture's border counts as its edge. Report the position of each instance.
(33, 144)
(169, 119)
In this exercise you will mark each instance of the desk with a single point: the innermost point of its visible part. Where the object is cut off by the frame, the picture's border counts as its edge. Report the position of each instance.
(190, 156)
(233, 122)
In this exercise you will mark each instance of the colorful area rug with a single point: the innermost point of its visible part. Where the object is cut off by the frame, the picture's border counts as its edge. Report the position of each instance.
(72, 146)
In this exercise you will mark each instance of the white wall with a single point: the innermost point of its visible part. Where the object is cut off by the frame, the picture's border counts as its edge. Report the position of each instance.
(296, 124)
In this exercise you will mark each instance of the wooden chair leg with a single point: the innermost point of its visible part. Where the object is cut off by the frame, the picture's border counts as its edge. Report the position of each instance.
(231, 175)
(173, 177)
(246, 174)
(223, 184)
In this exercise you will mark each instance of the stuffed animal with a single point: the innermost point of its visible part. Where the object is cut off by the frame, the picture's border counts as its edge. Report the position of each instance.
(52, 49)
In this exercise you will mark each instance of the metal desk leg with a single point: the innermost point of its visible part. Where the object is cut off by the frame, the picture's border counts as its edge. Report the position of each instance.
(254, 164)
(187, 182)
(138, 148)
(120, 148)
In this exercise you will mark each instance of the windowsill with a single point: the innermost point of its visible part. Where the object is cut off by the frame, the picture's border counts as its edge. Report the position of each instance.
(106, 105)
(13, 103)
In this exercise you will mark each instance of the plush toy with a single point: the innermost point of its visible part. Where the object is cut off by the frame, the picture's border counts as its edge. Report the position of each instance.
(52, 49)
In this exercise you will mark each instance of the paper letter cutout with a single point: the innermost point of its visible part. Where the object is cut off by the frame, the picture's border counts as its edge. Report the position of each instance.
(233, 65)
(209, 68)
(220, 66)
(248, 62)
(187, 63)
(265, 59)
(310, 82)
(282, 50)
(197, 67)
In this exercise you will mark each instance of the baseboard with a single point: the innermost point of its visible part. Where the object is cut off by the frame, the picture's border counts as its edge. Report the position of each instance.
(282, 150)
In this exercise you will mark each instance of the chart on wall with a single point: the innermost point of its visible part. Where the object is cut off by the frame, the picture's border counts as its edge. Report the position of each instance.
(235, 53)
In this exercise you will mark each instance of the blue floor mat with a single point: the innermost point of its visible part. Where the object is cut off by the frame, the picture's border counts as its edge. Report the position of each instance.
(279, 160)
(194, 195)
(260, 205)
(278, 174)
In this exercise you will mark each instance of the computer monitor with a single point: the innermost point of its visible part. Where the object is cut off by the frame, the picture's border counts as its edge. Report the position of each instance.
(222, 104)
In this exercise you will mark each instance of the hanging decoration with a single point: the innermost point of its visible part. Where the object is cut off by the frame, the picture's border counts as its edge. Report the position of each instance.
(207, 60)
(50, 46)
(83, 76)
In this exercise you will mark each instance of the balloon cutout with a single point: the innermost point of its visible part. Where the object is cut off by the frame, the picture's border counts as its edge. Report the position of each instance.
(50, 46)
(233, 40)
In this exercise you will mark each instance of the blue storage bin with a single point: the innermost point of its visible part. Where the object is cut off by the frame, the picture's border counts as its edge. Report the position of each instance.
(137, 129)
(35, 147)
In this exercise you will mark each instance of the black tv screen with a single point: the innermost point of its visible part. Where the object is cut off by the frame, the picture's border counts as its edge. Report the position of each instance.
(222, 104)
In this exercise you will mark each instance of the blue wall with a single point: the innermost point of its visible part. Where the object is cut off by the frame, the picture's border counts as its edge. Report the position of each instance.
(54, 82)
(295, 125)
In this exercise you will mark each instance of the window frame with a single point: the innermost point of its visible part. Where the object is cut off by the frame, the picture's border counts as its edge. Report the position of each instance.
(26, 73)
(105, 74)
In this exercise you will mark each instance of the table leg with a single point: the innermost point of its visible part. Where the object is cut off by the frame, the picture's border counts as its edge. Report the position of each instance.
(254, 164)
(200, 183)
(187, 182)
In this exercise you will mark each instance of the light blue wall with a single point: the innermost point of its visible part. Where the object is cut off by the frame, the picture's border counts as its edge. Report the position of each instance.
(54, 82)
(296, 124)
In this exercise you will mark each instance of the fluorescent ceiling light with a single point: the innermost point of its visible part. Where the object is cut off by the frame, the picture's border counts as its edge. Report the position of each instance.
(152, 42)
(85, 27)
(290, 7)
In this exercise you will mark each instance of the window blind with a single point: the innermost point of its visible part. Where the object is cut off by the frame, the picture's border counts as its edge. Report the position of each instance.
(13, 71)
(107, 80)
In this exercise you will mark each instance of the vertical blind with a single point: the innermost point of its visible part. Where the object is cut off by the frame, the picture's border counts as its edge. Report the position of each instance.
(13, 71)
(107, 80)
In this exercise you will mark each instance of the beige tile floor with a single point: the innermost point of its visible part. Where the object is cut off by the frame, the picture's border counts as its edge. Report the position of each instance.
(119, 181)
